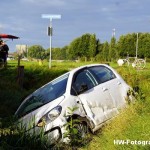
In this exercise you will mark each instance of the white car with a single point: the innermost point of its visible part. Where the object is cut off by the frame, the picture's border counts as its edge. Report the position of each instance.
(97, 90)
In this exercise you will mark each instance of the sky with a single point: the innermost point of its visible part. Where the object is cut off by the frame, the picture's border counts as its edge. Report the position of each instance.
(23, 18)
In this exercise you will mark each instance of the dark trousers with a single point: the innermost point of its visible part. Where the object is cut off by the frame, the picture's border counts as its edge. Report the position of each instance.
(5, 58)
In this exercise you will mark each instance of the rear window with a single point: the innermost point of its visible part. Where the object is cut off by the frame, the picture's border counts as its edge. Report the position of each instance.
(102, 73)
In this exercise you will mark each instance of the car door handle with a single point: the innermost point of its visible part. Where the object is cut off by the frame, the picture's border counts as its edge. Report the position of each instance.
(104, 89)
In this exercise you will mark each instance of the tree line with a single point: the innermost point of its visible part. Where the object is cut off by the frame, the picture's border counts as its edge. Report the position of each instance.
(88, 47)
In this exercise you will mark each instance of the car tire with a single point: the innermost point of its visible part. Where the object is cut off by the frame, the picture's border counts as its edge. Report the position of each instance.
(82, 129)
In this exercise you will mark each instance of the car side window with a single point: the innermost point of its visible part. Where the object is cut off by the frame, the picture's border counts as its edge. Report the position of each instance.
(82, 82)
(102, 73)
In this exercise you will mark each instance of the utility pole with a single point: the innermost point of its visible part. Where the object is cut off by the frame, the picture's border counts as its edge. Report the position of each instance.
(50, 30)
(113, 32)
(136, 45)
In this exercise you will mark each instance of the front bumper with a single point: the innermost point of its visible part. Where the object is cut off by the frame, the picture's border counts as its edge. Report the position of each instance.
(53, 135)
(52, 132)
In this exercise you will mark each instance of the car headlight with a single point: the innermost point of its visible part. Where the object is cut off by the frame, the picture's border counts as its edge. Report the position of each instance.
(50, 116)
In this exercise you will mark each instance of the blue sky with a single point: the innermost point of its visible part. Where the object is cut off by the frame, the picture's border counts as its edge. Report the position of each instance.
(23, 18)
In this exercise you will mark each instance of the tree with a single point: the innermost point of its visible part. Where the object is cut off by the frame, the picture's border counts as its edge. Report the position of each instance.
(84, 46)
(84, 43)
(59, 53)
(56, 53)
(88, 47)
(74, 49)
(64, 51)
(112, 49)
(36, 51)
(105, 51)
(127, 45)
(143, 45)
(92, 46)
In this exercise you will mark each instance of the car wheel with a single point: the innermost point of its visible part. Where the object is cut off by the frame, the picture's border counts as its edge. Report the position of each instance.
(82, 130)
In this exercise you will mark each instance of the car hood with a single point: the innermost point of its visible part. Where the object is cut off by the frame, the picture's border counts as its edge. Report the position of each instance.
(31, 119)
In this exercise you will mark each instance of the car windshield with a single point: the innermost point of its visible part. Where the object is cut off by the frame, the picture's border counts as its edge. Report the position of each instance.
(44, 95)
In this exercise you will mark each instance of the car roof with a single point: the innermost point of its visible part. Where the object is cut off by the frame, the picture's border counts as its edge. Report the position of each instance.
(74, 70)
(87, 66)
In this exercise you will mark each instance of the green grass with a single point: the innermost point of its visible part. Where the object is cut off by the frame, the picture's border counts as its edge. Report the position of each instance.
(132, 123)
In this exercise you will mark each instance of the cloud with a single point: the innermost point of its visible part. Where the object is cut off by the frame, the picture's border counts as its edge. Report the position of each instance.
(1, 26)
(23, 18)
(45, 2)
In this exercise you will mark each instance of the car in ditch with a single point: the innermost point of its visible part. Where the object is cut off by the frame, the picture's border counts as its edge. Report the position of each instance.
(97, 91)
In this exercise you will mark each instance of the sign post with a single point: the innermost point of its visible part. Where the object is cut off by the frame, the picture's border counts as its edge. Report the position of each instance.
(50, 30)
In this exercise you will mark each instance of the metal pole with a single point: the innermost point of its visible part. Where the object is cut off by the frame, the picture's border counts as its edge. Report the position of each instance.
(48, 16)
(136, 45)
(27, 50)
(50, 41)
(113, 33)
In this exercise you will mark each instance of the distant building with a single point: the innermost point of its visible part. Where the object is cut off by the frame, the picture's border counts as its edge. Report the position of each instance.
(22, 49)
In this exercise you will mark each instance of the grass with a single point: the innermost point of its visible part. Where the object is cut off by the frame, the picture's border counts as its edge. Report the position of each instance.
(129, 125)
(132, 123)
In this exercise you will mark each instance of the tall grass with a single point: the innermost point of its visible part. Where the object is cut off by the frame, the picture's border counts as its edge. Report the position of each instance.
(132, 123)
(35, 76)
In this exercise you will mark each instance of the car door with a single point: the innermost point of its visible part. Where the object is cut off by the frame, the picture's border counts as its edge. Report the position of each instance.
(115, 90)
(114, 84)
(95, 97)
(105, 75)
